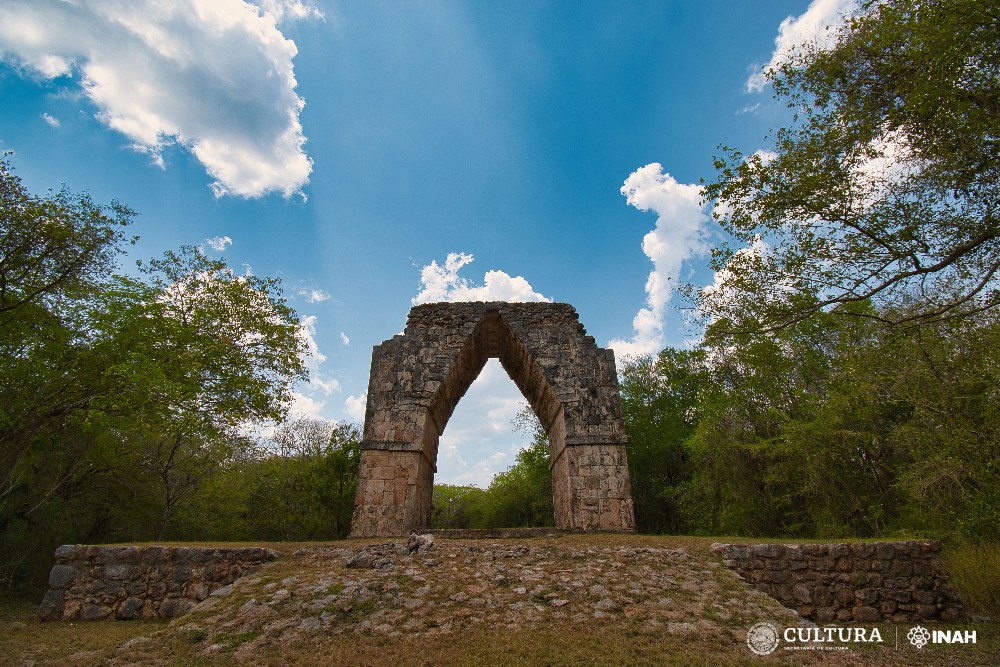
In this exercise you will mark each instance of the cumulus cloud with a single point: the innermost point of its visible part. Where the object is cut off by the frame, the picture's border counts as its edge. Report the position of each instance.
(354, 406)
(678, 236)
(884, 166)
(212, 76)
(480, 440)
(218, 243)
(283, 10)
(314, 295)
(442, 283)
(482, 472)
(51, 120)
(344, 339)
(305, 407)
(815, 25)
(307, 332)
(313, 358)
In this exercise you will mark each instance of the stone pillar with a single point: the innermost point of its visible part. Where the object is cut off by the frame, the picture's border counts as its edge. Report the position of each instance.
(599, 492)
(386, 501)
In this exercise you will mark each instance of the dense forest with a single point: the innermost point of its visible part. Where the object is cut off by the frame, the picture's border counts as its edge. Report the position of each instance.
(836, 427)
(844, 383)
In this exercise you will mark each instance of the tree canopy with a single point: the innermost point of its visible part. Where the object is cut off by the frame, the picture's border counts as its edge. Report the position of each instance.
(120, 395)
(885, 186)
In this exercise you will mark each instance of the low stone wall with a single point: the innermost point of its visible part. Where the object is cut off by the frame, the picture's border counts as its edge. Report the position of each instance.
(865, 582)
(128, 582)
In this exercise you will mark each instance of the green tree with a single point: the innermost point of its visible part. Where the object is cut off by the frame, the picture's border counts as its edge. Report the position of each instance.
(303, 482)
(53, 248)
(885, 185)
(841, 427)
(232, 338)
(205, 351)
(659, 404)
(521, 495)
(119, 396)
(55, 254)
(454, 506)
(763, 459)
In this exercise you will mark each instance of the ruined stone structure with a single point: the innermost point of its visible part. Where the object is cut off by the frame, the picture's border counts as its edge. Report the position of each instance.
(865, 582)
(89, 583)
(418, 377)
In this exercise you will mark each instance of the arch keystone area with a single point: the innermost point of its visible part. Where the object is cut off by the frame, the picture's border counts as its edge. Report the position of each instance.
(418, 377)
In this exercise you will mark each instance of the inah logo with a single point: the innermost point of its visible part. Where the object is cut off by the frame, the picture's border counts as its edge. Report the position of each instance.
(918, 636)
(762, 638)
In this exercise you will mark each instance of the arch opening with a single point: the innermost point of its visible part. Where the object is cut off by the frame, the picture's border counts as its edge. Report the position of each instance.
(488, 428)
(491, 338)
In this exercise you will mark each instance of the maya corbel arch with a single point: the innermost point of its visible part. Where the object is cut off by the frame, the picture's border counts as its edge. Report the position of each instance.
(418, 378)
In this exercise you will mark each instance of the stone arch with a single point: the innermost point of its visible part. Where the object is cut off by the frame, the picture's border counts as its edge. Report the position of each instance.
(419, 376)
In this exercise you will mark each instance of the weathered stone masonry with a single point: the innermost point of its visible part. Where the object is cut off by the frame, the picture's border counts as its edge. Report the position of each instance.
(418, 377)
(128, 582)
(862, 582)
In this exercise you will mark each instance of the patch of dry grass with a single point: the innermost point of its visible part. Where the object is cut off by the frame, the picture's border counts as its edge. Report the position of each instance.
(25, 640)
(975, 574)
(564, 643)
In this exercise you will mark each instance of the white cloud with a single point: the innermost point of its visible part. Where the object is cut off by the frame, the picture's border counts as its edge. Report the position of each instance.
(885, 164)
(678, 236)
(354, 406)
(307, 401)
(305, 407)
(344, 339)
(313, 358)
(481, 473)
(307, 331)
(442, 283)
(213, 76)
(326, 385)
(219, 243)
(314, 295)
(481, 430)
(289, 9)
(766, 156)
(815, 25)
(51, 120)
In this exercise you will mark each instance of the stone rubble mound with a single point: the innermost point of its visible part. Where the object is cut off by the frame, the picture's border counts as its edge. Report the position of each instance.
(423, 588)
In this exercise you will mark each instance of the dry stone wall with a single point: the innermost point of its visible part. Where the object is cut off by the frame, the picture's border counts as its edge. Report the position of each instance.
(129, 582)
(418, 377)
(864, 582)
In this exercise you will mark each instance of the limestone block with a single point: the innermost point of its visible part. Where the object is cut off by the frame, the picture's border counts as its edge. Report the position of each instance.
(61, 576)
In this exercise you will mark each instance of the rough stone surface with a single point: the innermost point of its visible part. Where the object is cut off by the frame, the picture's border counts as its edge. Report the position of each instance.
(862, 582)
(418, 377)
(129, 582)
(446, 587)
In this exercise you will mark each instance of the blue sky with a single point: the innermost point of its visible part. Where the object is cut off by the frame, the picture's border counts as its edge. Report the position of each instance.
(375, 154)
